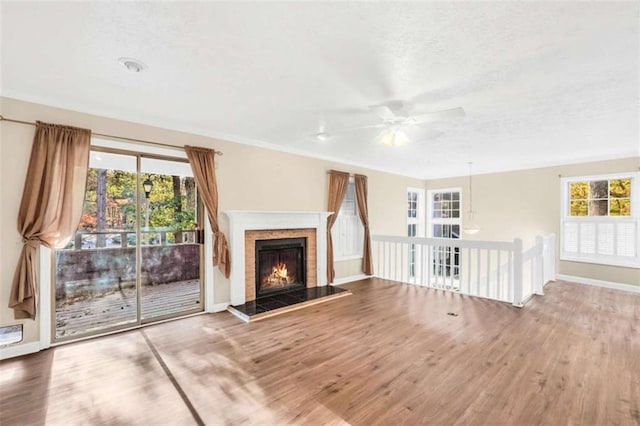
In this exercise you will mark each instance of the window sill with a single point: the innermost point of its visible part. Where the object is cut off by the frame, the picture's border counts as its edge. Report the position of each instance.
(632, 263)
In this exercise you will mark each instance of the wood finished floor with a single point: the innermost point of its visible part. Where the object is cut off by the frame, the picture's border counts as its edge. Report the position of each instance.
(388, 354)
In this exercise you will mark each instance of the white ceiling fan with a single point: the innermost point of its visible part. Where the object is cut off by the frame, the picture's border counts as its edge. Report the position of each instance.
(396, 119)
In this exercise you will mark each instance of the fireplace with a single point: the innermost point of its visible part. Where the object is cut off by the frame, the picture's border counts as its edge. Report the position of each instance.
(247, 227)
(280, 265)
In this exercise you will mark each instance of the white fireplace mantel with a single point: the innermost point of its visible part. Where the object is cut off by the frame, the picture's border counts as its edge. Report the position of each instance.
(243, 220)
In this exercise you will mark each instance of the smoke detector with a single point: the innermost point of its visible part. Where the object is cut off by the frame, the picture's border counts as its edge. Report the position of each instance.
(133, 65)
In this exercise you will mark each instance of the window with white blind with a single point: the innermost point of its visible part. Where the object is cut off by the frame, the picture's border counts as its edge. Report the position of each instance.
(348, 233)
(415, 212)
(600, 219)
(415, 223)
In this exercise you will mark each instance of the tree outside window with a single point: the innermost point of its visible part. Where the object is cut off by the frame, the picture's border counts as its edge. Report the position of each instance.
(600, 198)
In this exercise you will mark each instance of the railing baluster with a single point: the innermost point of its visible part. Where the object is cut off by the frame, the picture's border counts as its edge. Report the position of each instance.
(517, 272)
(478, 272)
(423, 254)
(538, 287)
(380, 257)
(499, 277)
(429, 250)
(413, 256)
(395, 262)
(452, 268)
(488, 272)
(413, 260)
(402, 264)
(449, 265)
(384, 261)
(469, 270)
(388, 257)
(510, 277)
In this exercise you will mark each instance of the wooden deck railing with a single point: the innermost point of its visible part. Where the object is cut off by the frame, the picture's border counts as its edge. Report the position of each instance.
(122, 238)
(492, 269)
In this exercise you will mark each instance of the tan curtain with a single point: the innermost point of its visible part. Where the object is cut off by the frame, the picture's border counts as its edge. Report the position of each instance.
(363, 212)
(202, 162)
(338, 182)
(51, 204)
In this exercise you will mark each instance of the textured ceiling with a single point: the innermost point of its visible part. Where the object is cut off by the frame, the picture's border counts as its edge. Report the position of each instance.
(541, 83)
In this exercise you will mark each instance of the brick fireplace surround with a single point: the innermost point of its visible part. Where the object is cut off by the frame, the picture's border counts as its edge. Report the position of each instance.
(250, 238)
(245, 227)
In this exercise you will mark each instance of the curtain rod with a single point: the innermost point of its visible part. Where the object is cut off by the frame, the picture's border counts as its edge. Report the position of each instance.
(29, 123)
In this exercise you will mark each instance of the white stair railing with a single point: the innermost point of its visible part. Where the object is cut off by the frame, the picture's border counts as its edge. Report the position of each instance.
(496, 270)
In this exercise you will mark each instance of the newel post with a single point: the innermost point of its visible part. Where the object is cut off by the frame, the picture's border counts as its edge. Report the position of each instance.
(517, 273)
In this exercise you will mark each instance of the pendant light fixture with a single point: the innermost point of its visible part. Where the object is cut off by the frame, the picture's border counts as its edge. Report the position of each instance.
(471, 227)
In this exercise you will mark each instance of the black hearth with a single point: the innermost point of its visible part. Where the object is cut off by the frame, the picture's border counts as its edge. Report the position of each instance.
(280, 265)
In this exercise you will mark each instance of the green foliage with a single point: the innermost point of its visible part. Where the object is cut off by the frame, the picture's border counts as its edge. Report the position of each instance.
(620, 188)
(579, 208)
(166, 210)
(620, 207)
(592, 198)
(579, 190)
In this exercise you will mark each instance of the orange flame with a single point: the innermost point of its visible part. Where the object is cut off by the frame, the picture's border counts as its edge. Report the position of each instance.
(279, 271)
(279, 276)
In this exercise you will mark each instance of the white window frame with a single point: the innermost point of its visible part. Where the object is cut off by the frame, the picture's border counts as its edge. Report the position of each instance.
(600, 221)
(419, 220)
(415, 252)
(443, 221)
(347, 232)
(441, 258)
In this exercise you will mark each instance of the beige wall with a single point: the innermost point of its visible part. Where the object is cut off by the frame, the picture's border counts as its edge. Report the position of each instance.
(526, 203)
(514, 204)
(249, 178)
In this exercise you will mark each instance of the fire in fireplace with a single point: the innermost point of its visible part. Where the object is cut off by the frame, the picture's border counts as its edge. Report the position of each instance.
(280, 265)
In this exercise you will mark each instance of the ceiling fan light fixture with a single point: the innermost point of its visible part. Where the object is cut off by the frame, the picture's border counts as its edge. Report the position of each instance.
(400, 139)
(394, 138)
(387, 138)
(322, 136)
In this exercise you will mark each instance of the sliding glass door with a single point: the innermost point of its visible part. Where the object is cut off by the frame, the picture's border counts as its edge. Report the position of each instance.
(170, 263)
(135, 257)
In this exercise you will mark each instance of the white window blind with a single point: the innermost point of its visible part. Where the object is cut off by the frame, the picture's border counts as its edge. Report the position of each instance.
(348, 233)
(600, 219)
(627, 239)
(605, 239)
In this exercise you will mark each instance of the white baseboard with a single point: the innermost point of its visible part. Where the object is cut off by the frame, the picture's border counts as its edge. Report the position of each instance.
(238, 314)
(350, 279)
(219, 307)
(599, 283)
(19, 350)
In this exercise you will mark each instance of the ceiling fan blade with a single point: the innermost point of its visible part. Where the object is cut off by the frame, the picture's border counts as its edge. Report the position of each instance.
(383, 111)
(430, 133)
(352, 129)
(324, 135)
(445, 114)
